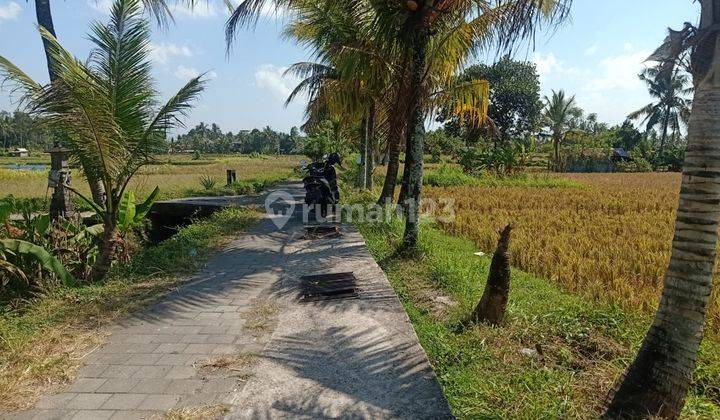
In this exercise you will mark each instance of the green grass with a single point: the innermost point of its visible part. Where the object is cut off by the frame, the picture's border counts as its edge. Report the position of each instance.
(586, 346)
(244, 187)
(42, 340)
(448, 176)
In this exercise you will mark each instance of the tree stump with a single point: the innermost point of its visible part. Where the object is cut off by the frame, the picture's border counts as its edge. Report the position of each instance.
(492, 305)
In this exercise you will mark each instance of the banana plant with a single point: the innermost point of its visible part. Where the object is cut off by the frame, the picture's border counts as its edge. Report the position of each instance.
(16, 248)
(130, 214)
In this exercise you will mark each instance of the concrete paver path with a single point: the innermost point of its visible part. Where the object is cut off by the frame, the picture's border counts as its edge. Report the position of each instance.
(238, 336)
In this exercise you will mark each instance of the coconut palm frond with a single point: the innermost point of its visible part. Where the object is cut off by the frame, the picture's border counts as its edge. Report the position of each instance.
(170, 115)
(77, 104)
(469, 100)
(22, 83)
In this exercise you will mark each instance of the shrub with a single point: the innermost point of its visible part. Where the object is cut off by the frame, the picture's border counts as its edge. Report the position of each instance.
(638, 164)
(207, 182)
(447, 176)
(502, 160)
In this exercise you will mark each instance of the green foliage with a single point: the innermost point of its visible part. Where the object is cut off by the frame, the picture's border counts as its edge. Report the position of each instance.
(107, 108)
(204, 138)
(670, 109)
(328, 137)
(208, 182)
(514, 98)
(501, 160)
(637, 164)
(439, 143)
(131, 214)
(250, 186)
(14, 250)
(447, 176)
(21, 129)
(481, 370)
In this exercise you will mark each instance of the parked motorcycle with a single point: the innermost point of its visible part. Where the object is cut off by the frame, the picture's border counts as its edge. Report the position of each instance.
(320, 181)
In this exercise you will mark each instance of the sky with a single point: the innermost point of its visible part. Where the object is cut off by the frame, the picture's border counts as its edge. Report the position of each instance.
(596, 56)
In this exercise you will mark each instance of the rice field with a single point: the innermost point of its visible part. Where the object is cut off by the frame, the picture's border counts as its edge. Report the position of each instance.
(173, 174)
(608, 240)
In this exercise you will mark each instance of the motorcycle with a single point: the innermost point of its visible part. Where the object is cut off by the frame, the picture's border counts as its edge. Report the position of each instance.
(320, 184)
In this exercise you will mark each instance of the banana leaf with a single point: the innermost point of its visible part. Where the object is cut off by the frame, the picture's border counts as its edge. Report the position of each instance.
(42, 256)
(127, 209)
(5, 211)
(143, 208)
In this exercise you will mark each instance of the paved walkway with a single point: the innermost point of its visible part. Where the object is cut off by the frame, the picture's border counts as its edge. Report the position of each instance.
(239, 337)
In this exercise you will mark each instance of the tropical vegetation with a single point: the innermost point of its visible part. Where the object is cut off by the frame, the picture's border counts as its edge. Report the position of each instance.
(628, 244)
(107, 110)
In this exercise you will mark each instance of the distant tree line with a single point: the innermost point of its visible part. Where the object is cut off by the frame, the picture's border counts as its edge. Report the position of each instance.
(520, 122)
(204, 138)
(20, 129)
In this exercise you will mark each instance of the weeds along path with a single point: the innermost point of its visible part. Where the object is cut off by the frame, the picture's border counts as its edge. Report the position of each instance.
(237, 342)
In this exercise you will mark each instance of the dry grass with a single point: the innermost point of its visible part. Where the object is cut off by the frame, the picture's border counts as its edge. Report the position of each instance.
(173, 174)
(259, 319)
(237, 365)
(208, 412)
(610, 241)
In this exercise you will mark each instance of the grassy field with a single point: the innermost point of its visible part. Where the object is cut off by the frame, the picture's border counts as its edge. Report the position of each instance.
(484, 371)
(608, 240)
(176, 175)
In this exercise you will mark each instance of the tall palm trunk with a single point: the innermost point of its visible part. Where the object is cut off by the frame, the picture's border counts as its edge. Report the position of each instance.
(393, 167)
(657, 382)
(370, 147)
(556, 149)
(413, 174)
(45, 19)
(107, 250)
(362, 172)
(666, 123)
(395, 134)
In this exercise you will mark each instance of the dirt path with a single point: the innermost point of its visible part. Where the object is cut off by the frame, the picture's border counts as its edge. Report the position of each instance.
(238, 341)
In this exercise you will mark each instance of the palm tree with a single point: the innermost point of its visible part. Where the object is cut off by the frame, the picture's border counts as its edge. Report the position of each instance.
(671, 108)
(107, 108)
(6, 128)
(420, 31)
(43, 12)
(559, 114)
(657, 381)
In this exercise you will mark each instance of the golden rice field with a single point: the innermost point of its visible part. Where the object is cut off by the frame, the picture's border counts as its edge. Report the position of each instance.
(173, 174)
(609, 241)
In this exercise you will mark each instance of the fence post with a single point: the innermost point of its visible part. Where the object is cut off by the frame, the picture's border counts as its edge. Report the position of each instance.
(231, 177)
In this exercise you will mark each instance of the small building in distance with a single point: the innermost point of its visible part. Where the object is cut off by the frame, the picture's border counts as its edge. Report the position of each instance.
(19, 152)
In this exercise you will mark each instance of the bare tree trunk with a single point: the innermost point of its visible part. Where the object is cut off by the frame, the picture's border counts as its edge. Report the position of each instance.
(370, 151)
(393, 167)
(107, 251)
(362, 171)
(413, 174)
(657, 382)
(44, 19)
(492, 305)
(663, 138)
(398, 126)
(556, 147)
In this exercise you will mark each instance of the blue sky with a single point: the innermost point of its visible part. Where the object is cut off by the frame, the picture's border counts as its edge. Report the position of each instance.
(596, 56)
